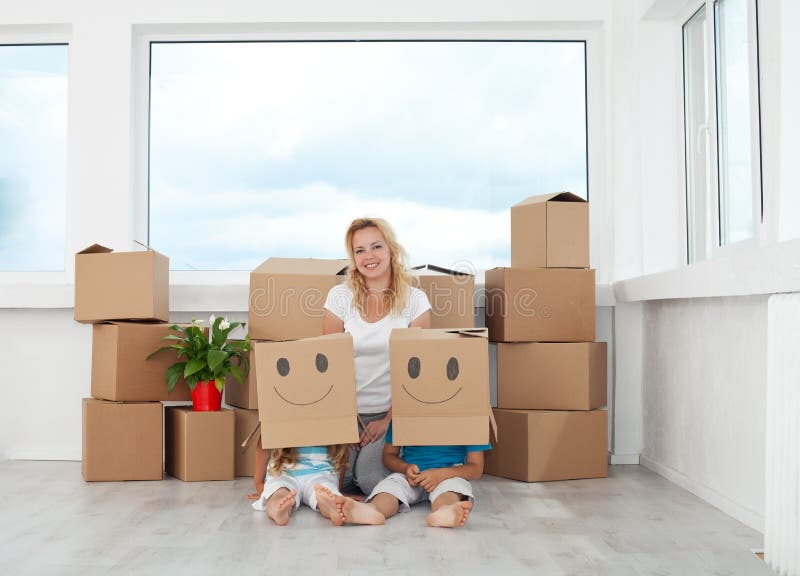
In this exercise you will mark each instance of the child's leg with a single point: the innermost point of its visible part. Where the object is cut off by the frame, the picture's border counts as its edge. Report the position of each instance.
(352, 512)
(449, 510)
(281, 505)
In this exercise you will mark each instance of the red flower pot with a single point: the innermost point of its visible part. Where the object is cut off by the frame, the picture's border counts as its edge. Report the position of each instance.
(206, 397)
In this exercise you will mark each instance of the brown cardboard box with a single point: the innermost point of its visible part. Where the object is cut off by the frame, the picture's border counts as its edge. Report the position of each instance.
(245, 422)
(307, 392)
(122, 441)
(199, 445)
(120, 370)
(550, 231)
(287, 296)
(451, 296)
(540, 305)
(551, 375)
(537, 446)
(440, 387)
(244, 395)
(121, 285)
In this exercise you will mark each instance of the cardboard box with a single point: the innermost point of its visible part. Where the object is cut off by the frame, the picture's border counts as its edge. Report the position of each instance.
(120, 370)
(551, 375)
(307, 392)
(199, 445)
(287, 296)
(451, 296)
(121, 285)
(540, 305)
(538, 446)
(245, 422)
(244, 395)
(122, 441)
(440, 387)
(550, 231)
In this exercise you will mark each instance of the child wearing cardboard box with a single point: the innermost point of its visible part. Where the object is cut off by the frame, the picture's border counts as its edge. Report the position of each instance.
(377, 297)
(440, 474)
(308, 475)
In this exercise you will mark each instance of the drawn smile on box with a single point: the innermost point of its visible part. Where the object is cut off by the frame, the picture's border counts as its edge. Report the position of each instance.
(283, 369)
(414, 370)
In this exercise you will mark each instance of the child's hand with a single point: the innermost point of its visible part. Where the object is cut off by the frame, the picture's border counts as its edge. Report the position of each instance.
(430, 478)
(412, 474)
(259, 489)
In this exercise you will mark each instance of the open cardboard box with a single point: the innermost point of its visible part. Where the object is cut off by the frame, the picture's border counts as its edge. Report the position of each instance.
(440, 387)
(550, 231)
(451, 296)
(121, 285)
(307, 392)
(287, 296)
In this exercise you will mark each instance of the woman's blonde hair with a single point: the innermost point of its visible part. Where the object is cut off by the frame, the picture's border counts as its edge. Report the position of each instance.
(396, 296)
(285, 457)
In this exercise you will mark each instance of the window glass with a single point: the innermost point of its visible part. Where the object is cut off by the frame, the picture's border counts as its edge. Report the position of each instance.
(33, 136)
(262, 149)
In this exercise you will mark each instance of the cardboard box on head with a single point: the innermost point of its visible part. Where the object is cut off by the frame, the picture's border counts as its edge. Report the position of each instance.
(440, 387)
(307, 392)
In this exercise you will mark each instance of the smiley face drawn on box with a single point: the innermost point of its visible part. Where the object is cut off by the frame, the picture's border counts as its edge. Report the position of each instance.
(440, 386)
(306, 391)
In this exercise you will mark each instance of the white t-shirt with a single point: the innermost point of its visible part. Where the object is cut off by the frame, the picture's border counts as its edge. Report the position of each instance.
(371, 344)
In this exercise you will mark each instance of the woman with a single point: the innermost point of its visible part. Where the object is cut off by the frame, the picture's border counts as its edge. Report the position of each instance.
(377, 297)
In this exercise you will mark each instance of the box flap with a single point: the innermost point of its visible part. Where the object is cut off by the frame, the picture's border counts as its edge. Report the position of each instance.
(555, 197)
(96, 249)
(439, 270)
(302, 266)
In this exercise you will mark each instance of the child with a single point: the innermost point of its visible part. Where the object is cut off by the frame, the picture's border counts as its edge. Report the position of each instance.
(260, 470)
(309, 474)
(439, 473)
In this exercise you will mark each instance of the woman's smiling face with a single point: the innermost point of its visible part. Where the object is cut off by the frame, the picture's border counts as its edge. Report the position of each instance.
(372, 255)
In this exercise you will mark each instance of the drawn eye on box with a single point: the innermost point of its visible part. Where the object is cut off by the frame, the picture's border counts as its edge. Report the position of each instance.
(286, 386)
(430, 392)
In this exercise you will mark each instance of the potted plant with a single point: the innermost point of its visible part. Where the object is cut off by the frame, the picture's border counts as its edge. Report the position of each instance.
(205, 361)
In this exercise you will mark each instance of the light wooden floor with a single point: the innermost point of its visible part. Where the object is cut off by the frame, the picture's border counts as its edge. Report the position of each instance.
(633, 522)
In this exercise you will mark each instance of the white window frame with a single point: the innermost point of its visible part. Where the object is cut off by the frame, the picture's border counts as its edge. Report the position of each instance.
(189, 281)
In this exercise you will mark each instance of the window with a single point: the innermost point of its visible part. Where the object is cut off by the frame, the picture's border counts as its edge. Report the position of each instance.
(33, 135)
(723, 190)
(264, 149)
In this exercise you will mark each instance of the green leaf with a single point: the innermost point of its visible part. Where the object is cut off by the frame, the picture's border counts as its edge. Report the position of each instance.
(220, 384)
(215, 358)
(173, 337)
(172, 347)
(194, 366)
(173, 374)
(236, 373)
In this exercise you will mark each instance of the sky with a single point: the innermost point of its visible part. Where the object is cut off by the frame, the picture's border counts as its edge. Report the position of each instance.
(272, 148)
(33, 153)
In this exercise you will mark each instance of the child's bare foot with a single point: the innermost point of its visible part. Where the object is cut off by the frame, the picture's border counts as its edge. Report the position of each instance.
(280, 509)
(326, 504)
(354, 512)
(450, 516)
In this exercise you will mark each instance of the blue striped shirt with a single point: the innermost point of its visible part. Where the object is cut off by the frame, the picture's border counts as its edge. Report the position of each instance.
(311, 460)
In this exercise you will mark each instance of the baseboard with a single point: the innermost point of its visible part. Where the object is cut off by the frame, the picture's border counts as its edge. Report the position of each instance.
(744, 515)
(623, 459)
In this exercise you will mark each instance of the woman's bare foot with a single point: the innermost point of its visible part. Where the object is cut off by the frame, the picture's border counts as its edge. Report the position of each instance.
(450, 516)
(279, 508)
(354, 512)
(326, 504)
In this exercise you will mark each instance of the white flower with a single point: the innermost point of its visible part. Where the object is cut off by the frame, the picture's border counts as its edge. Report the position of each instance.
(211, 320)
(224, 325)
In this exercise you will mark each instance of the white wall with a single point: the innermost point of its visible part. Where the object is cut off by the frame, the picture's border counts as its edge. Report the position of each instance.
(704, 399)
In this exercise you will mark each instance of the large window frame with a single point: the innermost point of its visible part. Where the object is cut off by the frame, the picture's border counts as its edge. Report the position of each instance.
(595, 81)
(718, 249)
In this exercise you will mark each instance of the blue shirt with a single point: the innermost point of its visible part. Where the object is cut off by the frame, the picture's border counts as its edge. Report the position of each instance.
(426, 457)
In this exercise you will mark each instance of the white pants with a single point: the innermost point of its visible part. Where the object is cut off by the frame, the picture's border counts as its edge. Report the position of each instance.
(397, 485)
(303, 485)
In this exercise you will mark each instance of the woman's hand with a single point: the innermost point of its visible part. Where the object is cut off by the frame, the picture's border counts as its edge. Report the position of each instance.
(375, 430)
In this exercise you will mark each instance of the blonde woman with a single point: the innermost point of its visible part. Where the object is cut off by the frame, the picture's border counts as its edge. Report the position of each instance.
(377, 297)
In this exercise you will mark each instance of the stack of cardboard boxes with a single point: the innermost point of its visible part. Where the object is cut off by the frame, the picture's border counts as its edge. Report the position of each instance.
(125, 295)
(551, 375)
